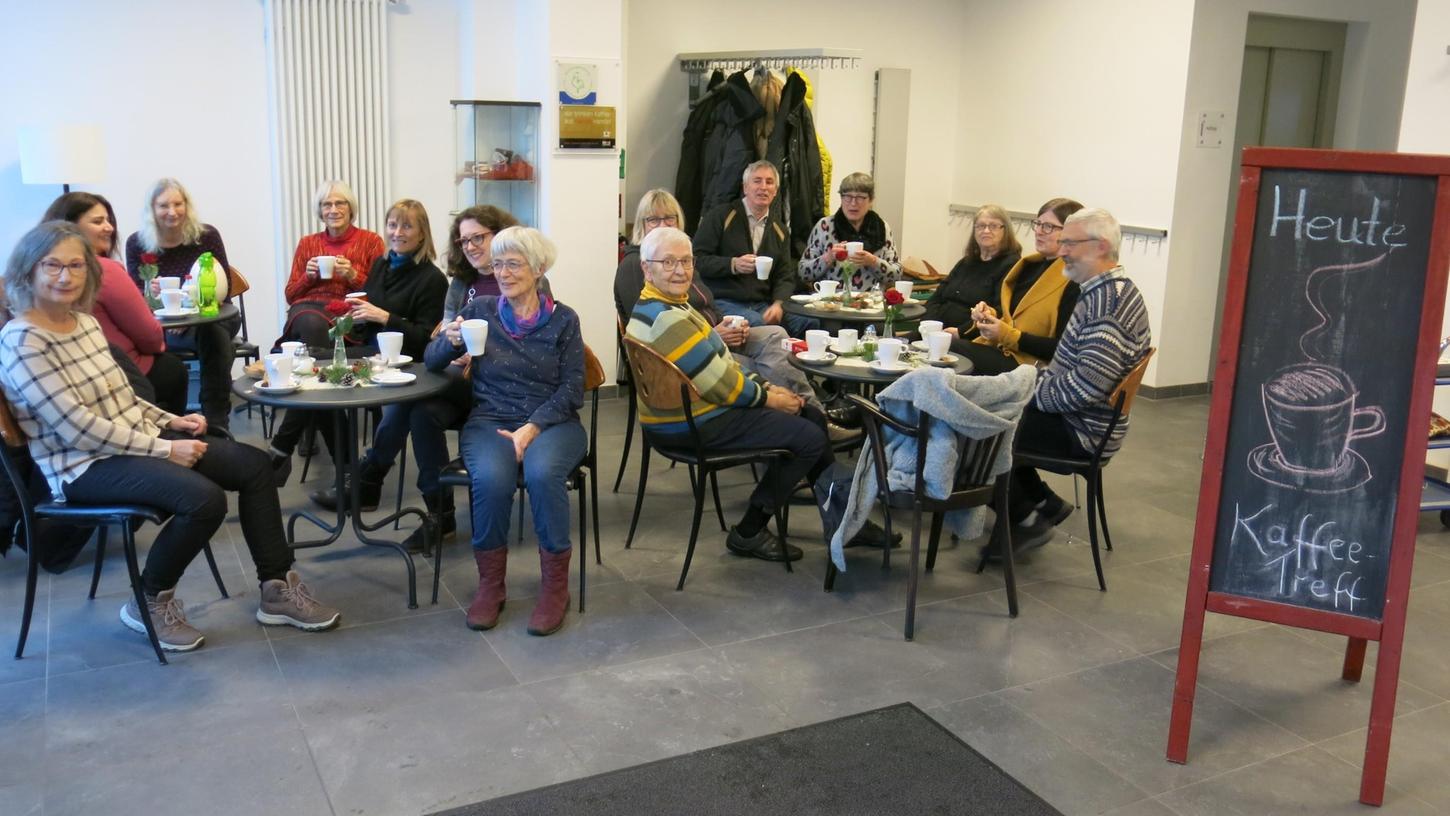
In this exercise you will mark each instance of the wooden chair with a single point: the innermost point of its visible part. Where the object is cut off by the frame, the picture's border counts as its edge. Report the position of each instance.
(665, 388)
(1091, 467)
(83, 515)
(456, 475)
(973, 486)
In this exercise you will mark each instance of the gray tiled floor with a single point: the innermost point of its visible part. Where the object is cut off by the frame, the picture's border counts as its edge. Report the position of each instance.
(406, 711)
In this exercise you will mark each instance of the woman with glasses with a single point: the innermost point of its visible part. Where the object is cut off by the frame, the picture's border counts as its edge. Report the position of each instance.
(528, 387)
(352, 250)
(875, 263)
(1036, 301)
(427, 421)
(992, 249)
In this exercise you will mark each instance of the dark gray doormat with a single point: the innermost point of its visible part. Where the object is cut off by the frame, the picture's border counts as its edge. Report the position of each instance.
(891, 760)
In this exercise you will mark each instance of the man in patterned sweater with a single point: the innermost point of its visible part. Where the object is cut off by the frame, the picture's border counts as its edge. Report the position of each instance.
(1106, 336)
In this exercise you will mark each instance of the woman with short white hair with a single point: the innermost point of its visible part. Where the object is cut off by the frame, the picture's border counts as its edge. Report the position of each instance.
(826, 252)
(352, 251)
(528, 386)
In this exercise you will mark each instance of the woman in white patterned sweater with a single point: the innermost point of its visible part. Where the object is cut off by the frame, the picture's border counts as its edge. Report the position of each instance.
(97, 443)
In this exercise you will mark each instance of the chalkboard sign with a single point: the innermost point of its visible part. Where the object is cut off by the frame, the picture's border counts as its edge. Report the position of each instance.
(1331, 322)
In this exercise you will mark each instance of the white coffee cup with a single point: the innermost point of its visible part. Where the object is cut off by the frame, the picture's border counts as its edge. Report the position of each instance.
(279, 370)
(926, 327)
(904, 287)
(171, 300)
(325, 265)
(846, 339)
(762, 266)
(169, 282)
(296, 348)
(737, 321)
(390, 345)
(816, 342)
(475, 336)
(937, 343)
(827, 287)
(888, 351)
(852, 247)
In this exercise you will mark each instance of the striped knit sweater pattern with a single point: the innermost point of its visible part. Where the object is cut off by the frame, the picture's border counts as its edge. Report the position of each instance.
(683, 336)
(1106, 336)
(73, 402)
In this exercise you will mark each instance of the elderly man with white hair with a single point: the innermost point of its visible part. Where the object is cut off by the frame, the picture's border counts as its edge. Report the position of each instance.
(1105, 337)
(736, 410)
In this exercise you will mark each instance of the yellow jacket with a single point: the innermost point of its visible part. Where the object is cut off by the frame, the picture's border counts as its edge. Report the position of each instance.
(1033, 312)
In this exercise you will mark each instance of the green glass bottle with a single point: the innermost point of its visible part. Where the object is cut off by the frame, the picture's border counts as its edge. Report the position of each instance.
(206, 299)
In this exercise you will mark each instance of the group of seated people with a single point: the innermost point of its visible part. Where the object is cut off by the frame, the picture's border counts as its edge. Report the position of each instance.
(97, 396)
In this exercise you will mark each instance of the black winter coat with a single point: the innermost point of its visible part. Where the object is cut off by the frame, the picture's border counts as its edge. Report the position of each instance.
(794, 151)
(718, 144)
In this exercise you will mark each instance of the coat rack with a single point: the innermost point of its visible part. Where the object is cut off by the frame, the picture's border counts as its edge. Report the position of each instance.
(699, 63)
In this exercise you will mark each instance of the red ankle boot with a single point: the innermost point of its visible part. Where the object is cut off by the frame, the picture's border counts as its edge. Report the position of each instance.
(488, 601)
(553, 593)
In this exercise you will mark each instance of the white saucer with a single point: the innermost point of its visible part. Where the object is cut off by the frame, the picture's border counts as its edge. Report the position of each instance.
(377, 361)
(919, 345)
(182, 312)
(835, 347)
(806, 357)
(882, 368)
(389, 377)
(802, 298)
(946, 361)
(276, 389)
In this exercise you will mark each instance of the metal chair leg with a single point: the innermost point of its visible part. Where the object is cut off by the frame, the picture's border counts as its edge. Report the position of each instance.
(639, 491)
(936, 525)
(1002, 535)
(1102, 509)
(593, 478)
(780, 526)
(128, 540)
(628, 437)
(32, 576)
(402, 477)
(694, 531)
(719, 513)
(1093, 532)
(215, 573)
(912, 575)
(101, 533)
(583, 537)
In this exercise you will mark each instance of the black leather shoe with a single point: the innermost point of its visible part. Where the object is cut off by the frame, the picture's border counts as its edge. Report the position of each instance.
(871, 535)
(1028, 537)
(1054, 510)
(847, 416)
(370, 493)
(764, 546)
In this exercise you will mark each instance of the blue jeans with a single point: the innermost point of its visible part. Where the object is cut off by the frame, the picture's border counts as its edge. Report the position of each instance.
(494, 472)
(795, 325)
(428, 421)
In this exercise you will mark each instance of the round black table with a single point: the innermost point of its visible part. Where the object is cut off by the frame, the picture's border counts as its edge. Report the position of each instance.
(344, 404)
(226, 311)
(846, 372)
(851, 318)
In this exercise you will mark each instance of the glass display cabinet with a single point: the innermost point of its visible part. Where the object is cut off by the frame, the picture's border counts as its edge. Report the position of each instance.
(496, 151)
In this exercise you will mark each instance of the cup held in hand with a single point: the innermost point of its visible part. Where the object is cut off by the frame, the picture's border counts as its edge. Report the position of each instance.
(325, 266)
(852, 247)
(762, 266)
(169, 282)
(475, 336)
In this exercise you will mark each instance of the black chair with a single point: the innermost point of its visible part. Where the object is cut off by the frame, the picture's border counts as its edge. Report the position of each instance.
(1091, 467)
(584, 475)
(665, 388)
(973, 486)
(82, 515)
(633, 397)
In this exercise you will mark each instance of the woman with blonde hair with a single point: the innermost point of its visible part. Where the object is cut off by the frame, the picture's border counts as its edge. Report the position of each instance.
(991, 251)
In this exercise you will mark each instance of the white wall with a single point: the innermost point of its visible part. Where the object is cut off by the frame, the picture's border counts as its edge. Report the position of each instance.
(1425, 125)
(924, 36)
(1368, 119)
(179, 89)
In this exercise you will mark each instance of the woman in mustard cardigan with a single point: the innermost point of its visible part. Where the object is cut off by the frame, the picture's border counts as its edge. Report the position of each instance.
(1036, 303)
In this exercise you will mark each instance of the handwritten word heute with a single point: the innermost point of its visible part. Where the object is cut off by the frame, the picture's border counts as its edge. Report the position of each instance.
(1325, 227)
(1297, 556)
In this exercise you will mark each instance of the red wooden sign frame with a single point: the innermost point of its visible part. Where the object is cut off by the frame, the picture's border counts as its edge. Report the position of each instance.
(1389, 630)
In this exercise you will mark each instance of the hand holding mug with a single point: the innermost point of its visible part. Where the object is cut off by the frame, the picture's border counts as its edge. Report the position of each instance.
(366, 312)
(454, 332)
(864, 258)
(311, 269)
(743, 264)
(342, 266)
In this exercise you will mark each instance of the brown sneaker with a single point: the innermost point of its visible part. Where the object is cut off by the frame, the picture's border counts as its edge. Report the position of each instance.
(169, 619)
(291, 603)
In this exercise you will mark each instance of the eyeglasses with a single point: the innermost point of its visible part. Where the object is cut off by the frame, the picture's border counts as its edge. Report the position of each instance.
(671, 264)
(660, 221)
(335, 205)
(1069, 243)
(985, 227)
(474, 241)
(855, 198)
(53, 269)
(1045, 226)
(513, 265)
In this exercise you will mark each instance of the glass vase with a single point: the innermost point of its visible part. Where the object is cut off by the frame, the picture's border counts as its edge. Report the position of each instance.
(339, 353)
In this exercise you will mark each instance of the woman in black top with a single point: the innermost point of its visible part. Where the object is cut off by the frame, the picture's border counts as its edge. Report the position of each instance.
(992, 249)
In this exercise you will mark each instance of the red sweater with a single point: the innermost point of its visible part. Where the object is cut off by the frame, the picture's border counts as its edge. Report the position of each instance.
(125, 318)
(358, 245)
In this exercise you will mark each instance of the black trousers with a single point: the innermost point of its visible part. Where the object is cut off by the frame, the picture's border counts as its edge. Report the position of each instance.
(196, 498)
(986, 360)
(1048, 434)
(168, 375)
(212, 343)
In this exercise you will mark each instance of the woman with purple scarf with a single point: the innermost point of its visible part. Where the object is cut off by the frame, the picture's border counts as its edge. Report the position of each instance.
(528, 386)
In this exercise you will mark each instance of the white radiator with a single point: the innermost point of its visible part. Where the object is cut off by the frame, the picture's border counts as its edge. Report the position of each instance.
(327, 62)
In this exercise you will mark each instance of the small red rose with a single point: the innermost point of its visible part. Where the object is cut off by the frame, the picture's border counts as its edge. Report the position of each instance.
(841, 254)
(893, 298)
(338, 308)
(148, 258)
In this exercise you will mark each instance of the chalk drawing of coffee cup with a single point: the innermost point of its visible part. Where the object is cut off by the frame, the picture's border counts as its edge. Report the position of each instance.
(1310, 408)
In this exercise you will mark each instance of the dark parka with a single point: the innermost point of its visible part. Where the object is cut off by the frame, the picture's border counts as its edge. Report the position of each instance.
(718, 145)
(795, 153)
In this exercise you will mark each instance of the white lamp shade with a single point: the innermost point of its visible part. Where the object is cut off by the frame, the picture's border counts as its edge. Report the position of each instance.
(62, 154)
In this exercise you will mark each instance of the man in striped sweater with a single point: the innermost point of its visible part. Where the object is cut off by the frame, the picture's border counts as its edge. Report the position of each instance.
(736, 410)
(1106, 336)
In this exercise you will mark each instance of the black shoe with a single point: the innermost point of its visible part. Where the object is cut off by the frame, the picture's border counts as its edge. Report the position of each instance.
(441, 512)
(370, 490)
(847, 416)
(1028, 537)
(1054, 510)
(764, 546)
(871, 535)
(281, 468)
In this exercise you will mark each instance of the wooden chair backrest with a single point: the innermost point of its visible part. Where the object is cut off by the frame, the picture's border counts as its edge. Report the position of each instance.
(1128, 388)
(656, 379)
(593, 371)
(9, 428)
(236, 284)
